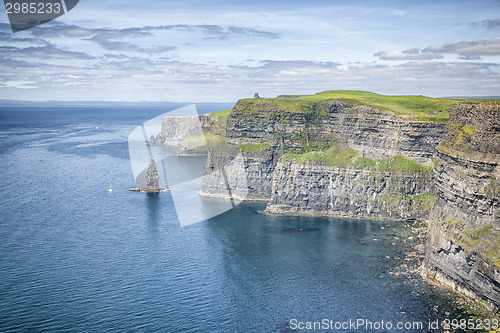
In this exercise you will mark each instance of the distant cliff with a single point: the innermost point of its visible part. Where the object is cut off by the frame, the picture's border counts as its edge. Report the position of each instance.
(463, 249)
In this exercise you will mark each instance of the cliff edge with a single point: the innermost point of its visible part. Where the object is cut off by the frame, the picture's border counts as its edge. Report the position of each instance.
(463, 247)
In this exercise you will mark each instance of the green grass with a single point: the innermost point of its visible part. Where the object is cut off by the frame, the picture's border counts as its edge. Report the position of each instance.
(254, 147)
(216, 131)
(469, 130)
(425, 200)
(334, 156)
(419, 107)
(458, 139)
(348, 157)
(481, 240)
(222, 115)
(400, 164)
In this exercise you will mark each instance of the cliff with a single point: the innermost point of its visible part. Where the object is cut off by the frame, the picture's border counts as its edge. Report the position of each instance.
(309, 189)
(463, 249)
(374, 132)
(329, 156)
(362, 155)
(340, 153)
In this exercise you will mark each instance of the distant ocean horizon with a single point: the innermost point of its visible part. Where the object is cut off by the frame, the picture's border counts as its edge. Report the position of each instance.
(75, 257)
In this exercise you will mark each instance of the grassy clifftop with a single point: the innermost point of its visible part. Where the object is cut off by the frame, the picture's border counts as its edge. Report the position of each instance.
(419, 107)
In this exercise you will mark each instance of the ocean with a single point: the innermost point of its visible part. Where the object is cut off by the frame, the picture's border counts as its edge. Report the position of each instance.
(75, 257)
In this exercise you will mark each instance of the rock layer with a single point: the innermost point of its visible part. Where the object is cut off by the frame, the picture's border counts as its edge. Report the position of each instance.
(349, 192)
(375, 133)
(464, 228)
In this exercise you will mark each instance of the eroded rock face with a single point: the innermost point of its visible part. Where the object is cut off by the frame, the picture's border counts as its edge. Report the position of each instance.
(349, 192)
(152, 176)
(175, 129)
(375, 133)
(463, 249)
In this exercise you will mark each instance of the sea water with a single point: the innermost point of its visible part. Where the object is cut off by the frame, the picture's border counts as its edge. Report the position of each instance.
(75, 257)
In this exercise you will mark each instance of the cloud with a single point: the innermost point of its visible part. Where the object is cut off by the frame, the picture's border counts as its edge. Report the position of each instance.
(4, 37)
(46, 52)
(218, 31)
(468, 49)
(491, 24)
(112, 39)
(107, 37)
(142, 78)
(61, 30)
(129, 47)
(408, 54)
(465, 50)
(5, 27)
(222, 32)
(107, 34)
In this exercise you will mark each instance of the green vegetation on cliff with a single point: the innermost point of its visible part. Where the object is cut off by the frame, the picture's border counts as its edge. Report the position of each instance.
(341, 157)
(215, 131)
(483, 240)
(458, 138)
(419, 107)
(222, 115)
(423, 201)
(254, 147)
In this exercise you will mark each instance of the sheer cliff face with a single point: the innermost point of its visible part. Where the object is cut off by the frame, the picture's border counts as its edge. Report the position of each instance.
(463, 247)
(350, 192)
(309, 189)
(375, 133)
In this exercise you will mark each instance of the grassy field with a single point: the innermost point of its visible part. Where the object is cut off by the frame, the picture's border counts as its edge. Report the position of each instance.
(222, 115)
(420, 107)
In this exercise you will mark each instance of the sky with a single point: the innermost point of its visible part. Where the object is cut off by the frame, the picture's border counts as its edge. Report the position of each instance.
(224, 50)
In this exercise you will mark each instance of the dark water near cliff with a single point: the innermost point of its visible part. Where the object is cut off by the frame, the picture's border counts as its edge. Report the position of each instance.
(76, 258)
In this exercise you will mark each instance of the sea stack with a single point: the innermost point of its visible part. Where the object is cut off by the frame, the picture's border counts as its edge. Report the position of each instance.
(152, 180)
(152, 177)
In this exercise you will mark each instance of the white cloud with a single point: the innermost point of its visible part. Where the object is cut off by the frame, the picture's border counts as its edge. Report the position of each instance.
(181, 82)
(46, 52)
(465, 50)
(408, 54)
(222, 52)
(475, 48)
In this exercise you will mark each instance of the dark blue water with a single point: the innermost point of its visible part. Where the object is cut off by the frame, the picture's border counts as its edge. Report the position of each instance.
(76, 258)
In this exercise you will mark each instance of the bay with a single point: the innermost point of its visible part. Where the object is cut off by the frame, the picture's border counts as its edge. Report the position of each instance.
(75, 257)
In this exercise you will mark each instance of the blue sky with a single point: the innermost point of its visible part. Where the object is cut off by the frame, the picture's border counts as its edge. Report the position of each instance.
(220, 51)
